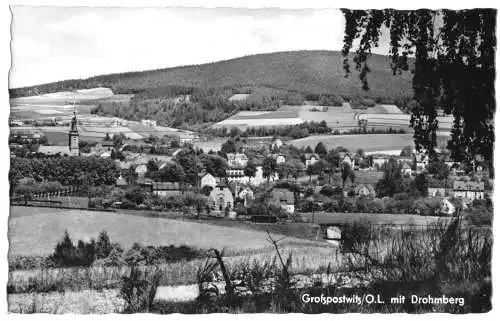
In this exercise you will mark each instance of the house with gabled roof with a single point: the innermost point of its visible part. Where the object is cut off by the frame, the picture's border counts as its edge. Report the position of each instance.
(468, 190)
(283, 198)
(310, 159)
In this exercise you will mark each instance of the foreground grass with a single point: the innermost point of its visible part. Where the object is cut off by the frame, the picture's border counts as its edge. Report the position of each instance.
(305, 260)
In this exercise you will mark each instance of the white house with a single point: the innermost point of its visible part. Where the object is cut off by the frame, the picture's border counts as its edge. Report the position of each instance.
(310, 159)
(436, 192)
(348, 159)
(141, 170)
(468, 190)
(208, 180)
(259, 178)
(446, 207)
(246, 194)
(277, 143)
(280, 158)
(406, 170)
(148, 122)
(221, 199)
(422, 161)
(284, 198)
(237, 160)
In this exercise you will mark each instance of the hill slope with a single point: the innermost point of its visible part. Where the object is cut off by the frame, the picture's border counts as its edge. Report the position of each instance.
(305, 72)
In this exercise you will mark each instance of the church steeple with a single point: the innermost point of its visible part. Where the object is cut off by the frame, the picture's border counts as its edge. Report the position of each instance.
(74, 137)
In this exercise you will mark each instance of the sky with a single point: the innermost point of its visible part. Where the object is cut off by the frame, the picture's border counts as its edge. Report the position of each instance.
(55, 43)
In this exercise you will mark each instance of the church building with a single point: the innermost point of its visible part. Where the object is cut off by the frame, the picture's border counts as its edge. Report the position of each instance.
(74, 138)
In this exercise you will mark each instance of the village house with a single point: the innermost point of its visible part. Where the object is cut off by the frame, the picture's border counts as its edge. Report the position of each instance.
(310, 159)
(279, 158)
(166, 189)
(121, 182)
(406, 170)
(236, 168)
(208, 180)
(141, 170)
(347, 159)
(446, 207)
(102, 147)
(422, 161)
(221, 199)
(237, 160)
(468, 190)
(379, 161)
(365, 190)
(277, 143)
(284, 198)
(436, 192)
(148, 122)
(246, 195)
(259, 178)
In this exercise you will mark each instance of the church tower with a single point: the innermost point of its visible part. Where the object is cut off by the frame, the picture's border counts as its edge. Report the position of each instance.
(74, 137)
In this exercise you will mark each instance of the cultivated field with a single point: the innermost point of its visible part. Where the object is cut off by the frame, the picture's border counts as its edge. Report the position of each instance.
(91, 127)
(35, 231)
(367, 142)
(342, 118)
(244, 119)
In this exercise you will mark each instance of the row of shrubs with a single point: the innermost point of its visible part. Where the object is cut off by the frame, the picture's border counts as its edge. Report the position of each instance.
(138, 198)
(103, 253)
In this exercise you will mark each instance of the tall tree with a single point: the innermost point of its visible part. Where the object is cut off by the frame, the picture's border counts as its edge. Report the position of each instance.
(320, 149)
(452, 57)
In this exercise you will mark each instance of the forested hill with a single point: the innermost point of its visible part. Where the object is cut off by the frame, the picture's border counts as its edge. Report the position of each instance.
(309, 73)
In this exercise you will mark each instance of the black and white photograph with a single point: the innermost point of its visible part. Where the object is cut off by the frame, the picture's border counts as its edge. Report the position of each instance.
(244, 160)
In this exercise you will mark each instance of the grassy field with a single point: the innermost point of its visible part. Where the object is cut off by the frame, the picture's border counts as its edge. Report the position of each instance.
(368, 142)
(373, 219)
(35, 231)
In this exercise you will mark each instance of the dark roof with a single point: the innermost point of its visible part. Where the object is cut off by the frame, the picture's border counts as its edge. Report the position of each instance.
(282, 195)
(468, 186)
(121, 182)
(166, 186)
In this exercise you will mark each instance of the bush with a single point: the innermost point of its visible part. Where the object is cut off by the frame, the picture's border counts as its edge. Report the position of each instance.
(138, 290)
(331, 206)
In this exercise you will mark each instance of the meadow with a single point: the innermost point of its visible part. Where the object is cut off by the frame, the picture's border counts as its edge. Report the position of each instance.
(367, 142)
(35, 231)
